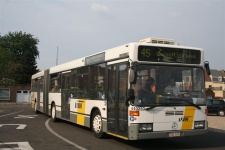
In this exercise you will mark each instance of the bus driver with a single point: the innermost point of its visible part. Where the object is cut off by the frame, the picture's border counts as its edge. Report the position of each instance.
(147, 93)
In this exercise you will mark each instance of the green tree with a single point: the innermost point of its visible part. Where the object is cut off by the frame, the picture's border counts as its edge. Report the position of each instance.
(21, 49)
(7, 65)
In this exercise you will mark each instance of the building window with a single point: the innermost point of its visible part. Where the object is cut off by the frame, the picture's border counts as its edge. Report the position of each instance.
(4, 94)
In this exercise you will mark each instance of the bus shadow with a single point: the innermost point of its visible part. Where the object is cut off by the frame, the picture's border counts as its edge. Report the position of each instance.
(213, 139)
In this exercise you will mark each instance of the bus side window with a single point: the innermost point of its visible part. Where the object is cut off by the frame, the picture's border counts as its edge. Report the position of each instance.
(83, 82)
(53, 83)
(74, 86)
(97, 76)
(123, 81)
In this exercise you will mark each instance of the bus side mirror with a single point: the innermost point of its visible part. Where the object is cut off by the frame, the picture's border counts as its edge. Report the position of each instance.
(207, 68)
(132, 76)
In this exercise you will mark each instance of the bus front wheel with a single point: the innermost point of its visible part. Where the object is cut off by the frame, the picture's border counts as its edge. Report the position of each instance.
(97, 127)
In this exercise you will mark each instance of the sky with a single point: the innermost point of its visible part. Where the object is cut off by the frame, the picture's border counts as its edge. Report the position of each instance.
(78, 28)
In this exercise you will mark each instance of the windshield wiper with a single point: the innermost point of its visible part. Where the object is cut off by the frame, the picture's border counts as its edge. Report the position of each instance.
(157, 105)
(185, 100)
(192, 104)
(151, 107)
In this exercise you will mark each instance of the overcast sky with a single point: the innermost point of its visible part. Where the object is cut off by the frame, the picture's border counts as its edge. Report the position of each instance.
(83, 27)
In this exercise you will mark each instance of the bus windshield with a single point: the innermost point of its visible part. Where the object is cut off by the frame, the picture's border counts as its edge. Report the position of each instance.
(169, 86)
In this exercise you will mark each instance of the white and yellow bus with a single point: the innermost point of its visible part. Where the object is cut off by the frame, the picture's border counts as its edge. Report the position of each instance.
(124, 91)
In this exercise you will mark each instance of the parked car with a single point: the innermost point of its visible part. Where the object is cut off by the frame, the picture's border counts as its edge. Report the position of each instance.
(216, 106)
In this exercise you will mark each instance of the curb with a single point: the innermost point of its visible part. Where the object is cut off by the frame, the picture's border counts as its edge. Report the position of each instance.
(13, 103)
(216, 130)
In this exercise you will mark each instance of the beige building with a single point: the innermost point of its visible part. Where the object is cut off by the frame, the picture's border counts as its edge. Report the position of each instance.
(216, 82)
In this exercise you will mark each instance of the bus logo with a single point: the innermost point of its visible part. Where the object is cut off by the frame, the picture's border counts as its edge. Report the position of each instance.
(174, 126)
(132, 118)
(183, 119)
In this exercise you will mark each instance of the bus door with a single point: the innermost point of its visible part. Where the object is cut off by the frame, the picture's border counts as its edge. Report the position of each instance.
(40, 93)
(116, 96)
(39, 90)
(45, 90)
(65, 94)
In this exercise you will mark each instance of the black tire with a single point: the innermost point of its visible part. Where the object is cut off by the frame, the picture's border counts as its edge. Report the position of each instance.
(97, 126)
(221, 113)
(53, 113)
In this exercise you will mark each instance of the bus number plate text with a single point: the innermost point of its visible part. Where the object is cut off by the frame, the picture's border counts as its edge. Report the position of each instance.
(174, 134)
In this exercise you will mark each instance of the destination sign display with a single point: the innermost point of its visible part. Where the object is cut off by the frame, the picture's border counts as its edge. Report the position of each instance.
(95, 59)
(170, 55)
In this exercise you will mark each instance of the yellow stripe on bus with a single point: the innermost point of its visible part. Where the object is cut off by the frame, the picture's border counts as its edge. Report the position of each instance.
(116, 135)
(81, 111)
(188, 118)
(32, 100)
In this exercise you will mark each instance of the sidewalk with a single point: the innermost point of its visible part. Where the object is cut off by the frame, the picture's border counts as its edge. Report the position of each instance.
(216, 122)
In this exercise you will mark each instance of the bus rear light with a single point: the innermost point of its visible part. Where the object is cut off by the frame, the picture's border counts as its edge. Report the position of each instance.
(134, 113)
(206, 111)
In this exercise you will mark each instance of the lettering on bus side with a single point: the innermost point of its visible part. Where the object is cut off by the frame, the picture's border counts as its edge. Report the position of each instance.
(78, 105)
(138, 108)
(183, 119)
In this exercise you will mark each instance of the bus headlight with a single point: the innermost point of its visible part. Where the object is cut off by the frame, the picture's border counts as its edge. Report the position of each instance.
(199, 124)
(145, 127)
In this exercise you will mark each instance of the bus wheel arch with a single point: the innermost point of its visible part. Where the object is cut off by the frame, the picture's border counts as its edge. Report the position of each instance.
(96, 123)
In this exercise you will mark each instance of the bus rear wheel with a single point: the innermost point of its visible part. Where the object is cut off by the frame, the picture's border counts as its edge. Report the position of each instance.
(53, 113)
(97, 127)
(35, 107)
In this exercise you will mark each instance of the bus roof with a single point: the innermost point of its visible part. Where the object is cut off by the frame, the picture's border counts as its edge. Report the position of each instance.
(37, 75)
(114, 53)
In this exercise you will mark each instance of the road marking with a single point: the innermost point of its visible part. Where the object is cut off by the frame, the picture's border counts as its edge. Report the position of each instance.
(62, 138)
(21, 146)
(26, 116)
(11, 113)
(20, 126)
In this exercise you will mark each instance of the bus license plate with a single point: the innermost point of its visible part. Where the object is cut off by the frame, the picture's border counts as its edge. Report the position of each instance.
(174, 134)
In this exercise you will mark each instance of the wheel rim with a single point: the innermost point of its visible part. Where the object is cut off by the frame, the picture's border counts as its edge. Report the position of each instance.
(53, 112)
(97, 123)
(35, 106)
(221, 113)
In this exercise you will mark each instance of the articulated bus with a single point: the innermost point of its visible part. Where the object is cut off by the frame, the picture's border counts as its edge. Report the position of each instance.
(124, 91)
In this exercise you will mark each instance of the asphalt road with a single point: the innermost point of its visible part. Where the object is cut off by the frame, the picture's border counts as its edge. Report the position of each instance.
(21, 128)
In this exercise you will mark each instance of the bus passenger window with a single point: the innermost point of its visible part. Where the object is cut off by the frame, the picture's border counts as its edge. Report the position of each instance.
(55, 80)
(74, 86)
(97, 81)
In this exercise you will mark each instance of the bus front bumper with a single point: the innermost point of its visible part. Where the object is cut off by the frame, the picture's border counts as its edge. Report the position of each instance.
(135, 135)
